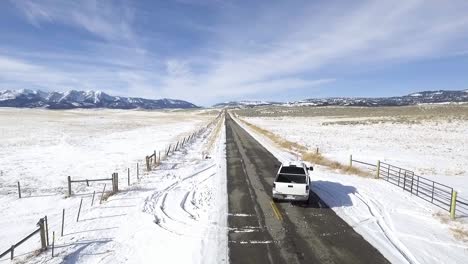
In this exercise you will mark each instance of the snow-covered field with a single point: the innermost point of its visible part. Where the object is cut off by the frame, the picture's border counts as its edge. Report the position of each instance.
(40, 148)
(404, 228)
(433, 148)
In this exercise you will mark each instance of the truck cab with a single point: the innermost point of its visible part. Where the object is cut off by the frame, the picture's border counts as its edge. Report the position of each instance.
(292, 182)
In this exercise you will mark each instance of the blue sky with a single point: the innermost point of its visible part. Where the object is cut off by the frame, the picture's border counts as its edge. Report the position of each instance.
(208, 51)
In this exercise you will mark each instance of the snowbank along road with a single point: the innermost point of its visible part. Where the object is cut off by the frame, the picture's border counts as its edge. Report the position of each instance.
(261, 231)
(175, 213)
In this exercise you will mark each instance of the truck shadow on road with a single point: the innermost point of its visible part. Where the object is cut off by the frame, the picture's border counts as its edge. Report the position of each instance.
(336, 195)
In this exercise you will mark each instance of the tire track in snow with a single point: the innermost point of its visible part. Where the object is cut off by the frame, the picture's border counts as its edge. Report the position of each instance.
(377, 214)
(157, 203)
(150, 202)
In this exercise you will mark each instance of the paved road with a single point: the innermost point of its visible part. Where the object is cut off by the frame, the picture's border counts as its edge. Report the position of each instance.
(265, 232)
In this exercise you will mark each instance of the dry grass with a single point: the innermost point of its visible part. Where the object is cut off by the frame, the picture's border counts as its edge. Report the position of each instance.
(313, 157)
(319, 159)
(403, 114)
(28, 257)
(460, 233)
(213, 136)
(456, 227)
(107, 195)
(443, 217)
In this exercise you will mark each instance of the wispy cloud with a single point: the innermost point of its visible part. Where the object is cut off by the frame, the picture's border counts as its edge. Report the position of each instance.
(106, 19)
(367, 34)
(247, 51)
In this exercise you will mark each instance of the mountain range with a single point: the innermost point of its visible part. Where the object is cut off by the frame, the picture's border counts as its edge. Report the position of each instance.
(426, 97)
(96, 99)
(83, 99)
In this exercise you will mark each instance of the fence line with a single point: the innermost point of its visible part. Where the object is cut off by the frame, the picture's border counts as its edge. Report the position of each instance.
(114, 179)
(438, 194)
(43, 225)
(154, 159)
(41, 229)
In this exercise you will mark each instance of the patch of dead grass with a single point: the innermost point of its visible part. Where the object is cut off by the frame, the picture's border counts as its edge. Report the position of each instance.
(319, 159)
(460, 233)
(402, 114)
(106, 196)
(443, 217)
(214, 135)
(313, 157)
(458, 228)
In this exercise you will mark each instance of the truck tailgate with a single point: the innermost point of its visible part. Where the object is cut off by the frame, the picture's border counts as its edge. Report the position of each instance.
(291, 188)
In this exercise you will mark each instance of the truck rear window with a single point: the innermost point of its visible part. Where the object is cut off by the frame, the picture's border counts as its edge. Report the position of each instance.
(293, 170)
(289, 178)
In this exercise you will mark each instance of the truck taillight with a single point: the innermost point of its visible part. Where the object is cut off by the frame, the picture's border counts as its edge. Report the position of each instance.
(274, 185)
(307, 188)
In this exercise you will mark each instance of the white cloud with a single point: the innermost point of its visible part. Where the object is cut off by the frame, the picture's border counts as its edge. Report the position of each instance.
(282, 47)
(374, 32)
(17, 71)
(103, 18)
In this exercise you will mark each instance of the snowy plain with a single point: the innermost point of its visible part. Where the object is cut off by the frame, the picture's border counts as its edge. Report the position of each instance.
(404, 228)
(41, 148)
(436, 149)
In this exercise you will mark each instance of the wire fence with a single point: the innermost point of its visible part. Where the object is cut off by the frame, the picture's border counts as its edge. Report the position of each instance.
(43, 229)
(436, 193)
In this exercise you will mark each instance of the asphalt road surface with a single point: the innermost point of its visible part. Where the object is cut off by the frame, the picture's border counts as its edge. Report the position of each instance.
(265, 232)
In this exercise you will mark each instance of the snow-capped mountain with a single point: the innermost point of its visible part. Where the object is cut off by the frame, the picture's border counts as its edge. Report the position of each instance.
(82, 99)
(426, 97)
(244, 103)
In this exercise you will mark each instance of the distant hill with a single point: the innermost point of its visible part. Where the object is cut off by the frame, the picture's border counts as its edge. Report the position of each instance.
(82, 99)
(244, 103)
(425, 97)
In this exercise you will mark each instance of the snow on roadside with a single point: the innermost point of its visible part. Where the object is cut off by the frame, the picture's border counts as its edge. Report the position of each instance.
(177, 213)
(98, 136)
(400, 226)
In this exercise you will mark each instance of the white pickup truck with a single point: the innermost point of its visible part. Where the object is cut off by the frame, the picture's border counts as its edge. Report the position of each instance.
(292, 182)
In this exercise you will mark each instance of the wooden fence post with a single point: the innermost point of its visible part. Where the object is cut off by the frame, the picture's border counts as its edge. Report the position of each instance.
(92, 201)
(79, 211)
(147, 163)
(53, 243)
(155, 157)
(19, 190)
(176, 146)
(69, 187)
(102, 195)
(115, 182)
(148, 168)
(47, 229)
(42, 233)
(159, 158)
(12, 252)
(128, 176)
(63, 220)
(168, 150)
(138, 171)
(453, 205)
(378, 169)
(351, 160)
